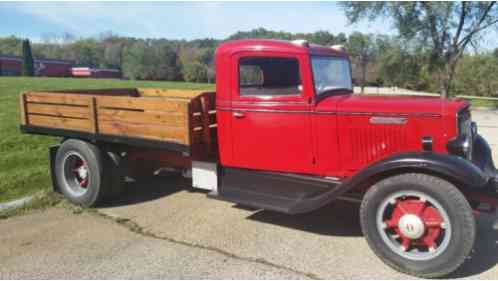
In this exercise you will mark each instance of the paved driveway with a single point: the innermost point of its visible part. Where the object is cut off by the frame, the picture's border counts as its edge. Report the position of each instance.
(487, 122)
(168, 231)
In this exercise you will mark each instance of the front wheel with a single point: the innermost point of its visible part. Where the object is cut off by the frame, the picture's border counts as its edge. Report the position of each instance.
(418, 224)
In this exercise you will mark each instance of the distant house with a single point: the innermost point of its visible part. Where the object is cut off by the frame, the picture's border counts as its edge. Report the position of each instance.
(88, 72)
(12, 66)
(53, 68)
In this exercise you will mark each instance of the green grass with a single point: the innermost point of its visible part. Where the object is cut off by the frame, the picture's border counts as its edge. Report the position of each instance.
(24, 158)
(484, 103)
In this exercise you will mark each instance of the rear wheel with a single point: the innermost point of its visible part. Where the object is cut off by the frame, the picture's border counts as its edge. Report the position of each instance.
(418, 224)
(79, 172)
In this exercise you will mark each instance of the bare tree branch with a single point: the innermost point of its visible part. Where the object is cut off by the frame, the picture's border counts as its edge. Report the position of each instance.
(432, 20)
(468, 37)
(477, 26)
(460, 24)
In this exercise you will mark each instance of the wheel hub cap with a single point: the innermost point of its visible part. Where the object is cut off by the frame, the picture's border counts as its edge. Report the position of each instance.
(414, 225)
(77, 174)
(82, 172)
(411, 226)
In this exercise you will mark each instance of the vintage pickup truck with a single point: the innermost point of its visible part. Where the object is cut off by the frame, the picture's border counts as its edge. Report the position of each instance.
(284, 132)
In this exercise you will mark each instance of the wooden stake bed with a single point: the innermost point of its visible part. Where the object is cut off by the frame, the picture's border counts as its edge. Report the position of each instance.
(180, 118)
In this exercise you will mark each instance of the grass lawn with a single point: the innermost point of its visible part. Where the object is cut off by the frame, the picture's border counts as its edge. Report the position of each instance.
(24, 158)
(491, 104)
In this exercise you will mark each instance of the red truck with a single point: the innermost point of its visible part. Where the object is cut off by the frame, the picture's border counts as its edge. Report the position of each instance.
(284, 132)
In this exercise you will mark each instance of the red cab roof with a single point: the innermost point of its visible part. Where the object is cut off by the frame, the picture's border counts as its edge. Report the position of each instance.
(297, 47)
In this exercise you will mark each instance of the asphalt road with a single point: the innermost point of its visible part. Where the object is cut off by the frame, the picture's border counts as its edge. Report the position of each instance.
(167, 231)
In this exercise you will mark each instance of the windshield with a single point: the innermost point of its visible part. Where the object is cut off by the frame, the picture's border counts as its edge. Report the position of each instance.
(331, 73)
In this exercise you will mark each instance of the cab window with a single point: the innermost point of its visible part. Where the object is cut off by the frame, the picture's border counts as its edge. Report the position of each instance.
(269, 76)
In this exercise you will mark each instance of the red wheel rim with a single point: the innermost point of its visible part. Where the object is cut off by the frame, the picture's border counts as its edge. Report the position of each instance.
(80, 171)
(76, 174)
(414, 225)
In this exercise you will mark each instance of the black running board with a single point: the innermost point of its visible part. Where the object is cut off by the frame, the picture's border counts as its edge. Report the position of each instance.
(286, 193)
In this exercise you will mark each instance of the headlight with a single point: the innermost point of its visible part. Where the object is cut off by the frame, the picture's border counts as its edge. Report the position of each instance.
(467, 130)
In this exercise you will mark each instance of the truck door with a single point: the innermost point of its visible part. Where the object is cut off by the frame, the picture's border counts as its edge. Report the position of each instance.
(271, 121)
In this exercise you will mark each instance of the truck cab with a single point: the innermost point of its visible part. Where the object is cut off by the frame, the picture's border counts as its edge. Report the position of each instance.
(289, 107)
(285, 132)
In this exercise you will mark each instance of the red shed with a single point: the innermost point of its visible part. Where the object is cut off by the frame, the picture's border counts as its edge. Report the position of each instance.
(53, 68)
(12, 66)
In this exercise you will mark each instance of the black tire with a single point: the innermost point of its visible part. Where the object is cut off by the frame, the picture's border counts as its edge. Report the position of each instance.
(457, 208)
(115, 174)
(95, 189)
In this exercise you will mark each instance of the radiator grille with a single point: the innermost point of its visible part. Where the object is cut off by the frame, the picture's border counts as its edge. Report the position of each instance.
(373, 142)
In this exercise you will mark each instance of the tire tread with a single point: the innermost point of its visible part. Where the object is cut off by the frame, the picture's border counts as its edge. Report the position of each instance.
(452, 193)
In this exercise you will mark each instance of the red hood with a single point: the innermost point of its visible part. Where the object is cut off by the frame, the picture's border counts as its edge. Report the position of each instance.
(399, 104)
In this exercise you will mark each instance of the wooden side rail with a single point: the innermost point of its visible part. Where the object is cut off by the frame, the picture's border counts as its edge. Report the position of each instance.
(174, 116)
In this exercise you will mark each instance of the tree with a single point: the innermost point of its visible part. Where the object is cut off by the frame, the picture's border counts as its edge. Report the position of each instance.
(28, 68)
(86, 52)
(362, 49)
(11, 46)
(448, 28)
(476, 75)
(134, 61)
(399, 67)
(167, 66)
(195, 72)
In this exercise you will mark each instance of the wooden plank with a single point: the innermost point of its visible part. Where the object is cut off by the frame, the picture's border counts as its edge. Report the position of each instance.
(57, 98)
(58, 110)
(172, 119)
(164, 133)
(171, 93)
(22, 109)
(92, 111)
(59, 122)
(132, 92)
(149, 104)
(195, 125)
(205, 124)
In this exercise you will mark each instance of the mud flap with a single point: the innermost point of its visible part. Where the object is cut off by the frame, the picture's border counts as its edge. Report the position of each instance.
(52, 151)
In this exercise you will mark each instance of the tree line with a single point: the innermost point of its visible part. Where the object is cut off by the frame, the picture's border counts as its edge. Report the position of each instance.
(378, 60)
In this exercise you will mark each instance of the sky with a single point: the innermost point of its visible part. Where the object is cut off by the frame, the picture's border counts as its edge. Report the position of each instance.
(174, 20)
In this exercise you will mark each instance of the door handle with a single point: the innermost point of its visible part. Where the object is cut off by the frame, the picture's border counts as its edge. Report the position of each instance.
(238, 114)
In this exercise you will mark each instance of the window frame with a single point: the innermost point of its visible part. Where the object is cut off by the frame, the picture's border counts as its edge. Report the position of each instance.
(315, 94)
(299, 95)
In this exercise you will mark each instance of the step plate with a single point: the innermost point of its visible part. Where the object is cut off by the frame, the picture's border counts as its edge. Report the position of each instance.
(270, 191)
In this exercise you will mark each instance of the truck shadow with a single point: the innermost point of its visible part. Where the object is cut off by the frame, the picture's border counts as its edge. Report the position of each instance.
(153, 188)
(485, 253)
(338, 219)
